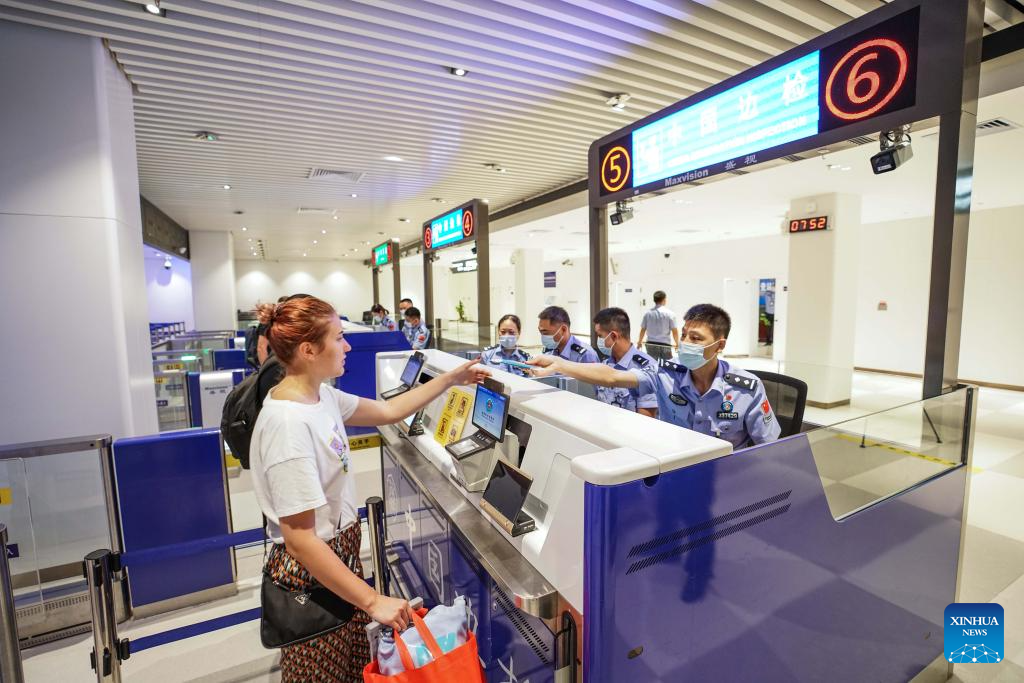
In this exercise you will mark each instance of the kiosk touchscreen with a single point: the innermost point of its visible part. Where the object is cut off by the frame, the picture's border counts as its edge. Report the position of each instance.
(409, 376)
(490, 412)
(504, 498)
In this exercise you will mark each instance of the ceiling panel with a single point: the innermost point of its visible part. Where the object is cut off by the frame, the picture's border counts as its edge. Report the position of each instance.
(292, 85)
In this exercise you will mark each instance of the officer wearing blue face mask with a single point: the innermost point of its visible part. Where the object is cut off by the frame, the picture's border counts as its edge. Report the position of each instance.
(612, 328)
(382, 319)
(507, 348)
(698, 391)
(553, 325)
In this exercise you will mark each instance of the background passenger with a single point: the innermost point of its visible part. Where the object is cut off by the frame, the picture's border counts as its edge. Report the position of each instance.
(661, 328)
(553, 325)
(507, 348)
(302, 479)
(403, 306)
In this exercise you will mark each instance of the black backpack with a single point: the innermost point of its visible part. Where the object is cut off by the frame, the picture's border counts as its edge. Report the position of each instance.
(252, 336)
(242, 406)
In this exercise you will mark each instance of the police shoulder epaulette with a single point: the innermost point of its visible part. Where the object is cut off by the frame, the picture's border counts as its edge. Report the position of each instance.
(640, 360)
(526, 356)
(578, 348)
(671, 365)
(491, 348)
(740, 380)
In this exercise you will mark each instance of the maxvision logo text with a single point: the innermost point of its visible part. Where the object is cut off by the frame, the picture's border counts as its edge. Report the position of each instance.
(686, 177)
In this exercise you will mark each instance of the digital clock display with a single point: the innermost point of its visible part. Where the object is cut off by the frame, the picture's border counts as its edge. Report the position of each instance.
(856, 78)
(808, 224)
(382, 254)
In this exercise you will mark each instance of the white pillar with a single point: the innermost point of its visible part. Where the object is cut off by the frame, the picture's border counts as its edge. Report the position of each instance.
(821, 305)
(529, 289)
(213, 279)
(76, 333)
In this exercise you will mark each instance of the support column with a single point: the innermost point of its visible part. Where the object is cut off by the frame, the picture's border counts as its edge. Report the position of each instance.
(376, 284)
(529, 289)
(483, 280)
(954, 178)
(598, 264)
(428, 294)
(213, 280)
(822, 299)
(71, 251)
(396, 273)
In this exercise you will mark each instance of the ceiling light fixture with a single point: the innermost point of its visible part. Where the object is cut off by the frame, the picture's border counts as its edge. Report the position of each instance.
(303, 253)
(353, 195)
(401, 220)
(334, 218)
(206, 136)
(323, 232)
(457, 71)
(244, 229)
(392, 157)
(154, 8)
(226, 186)
(618, 101)
(314, 242)
(437, 200)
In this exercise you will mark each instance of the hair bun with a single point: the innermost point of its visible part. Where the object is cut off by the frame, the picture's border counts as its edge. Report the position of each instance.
(266, 313)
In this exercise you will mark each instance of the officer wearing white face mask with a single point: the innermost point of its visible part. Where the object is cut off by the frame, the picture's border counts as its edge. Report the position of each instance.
(612, 328)
(698, 391)
(553, 324)
(507, 348)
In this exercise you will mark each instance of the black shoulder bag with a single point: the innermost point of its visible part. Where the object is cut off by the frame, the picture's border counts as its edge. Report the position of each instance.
(291, 617)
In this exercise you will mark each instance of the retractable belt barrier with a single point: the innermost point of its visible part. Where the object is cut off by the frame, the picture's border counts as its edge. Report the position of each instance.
(101, 566)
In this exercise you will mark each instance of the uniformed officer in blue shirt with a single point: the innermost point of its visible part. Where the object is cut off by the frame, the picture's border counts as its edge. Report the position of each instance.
(553, 325)
(382, 318)
(697, 391)
(507, 348)
(612, 328)
(415, 331)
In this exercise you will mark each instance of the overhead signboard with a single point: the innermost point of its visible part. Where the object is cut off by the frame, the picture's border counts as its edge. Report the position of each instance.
(383, 254)
(855, 80)
(456, 226)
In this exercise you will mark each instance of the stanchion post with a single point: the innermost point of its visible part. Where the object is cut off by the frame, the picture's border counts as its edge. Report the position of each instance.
(106, 654)
(10, 653)
(375, 522)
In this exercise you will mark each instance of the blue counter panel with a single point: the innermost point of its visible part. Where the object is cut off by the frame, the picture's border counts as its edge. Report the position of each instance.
(171, 490)
(361, 366)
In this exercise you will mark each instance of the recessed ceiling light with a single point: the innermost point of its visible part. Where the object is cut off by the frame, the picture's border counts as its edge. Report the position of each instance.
(366, 242)
(206, 136)
(303, 253)
(323, 232)
(396, 239)
(334, 218)
(457, 71)
(402, 220)
(154, 8)
(226, 187)
(314, 241)
(844, 168)
(618, 101)
(353, 195)
(392, 157)
(824, 150)
(486, 201)
(437, 200)
(833, 167)
(250, 239)
(244, 229)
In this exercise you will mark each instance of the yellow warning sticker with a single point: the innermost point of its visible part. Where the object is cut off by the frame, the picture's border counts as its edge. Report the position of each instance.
(453, 418)
(5, 496)
(356, 443)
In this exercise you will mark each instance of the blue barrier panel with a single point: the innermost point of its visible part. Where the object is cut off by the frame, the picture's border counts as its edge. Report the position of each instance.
(229, 359)
(360, 376)
(170, 491)
(195, 409)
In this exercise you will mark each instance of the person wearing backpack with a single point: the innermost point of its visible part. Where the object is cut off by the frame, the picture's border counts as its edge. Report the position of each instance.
(301, 472)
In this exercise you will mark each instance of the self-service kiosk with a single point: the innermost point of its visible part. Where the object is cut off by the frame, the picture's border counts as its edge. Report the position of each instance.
(606, 546)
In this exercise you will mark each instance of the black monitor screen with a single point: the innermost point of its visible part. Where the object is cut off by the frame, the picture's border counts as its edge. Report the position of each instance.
(412, 370)
(490, 408)
(507, 489)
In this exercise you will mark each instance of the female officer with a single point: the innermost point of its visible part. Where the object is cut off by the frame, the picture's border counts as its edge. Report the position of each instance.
(507, 347)
(382, 317)
(304, 483)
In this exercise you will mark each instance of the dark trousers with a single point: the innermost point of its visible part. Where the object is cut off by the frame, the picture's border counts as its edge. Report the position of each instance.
(659, 351)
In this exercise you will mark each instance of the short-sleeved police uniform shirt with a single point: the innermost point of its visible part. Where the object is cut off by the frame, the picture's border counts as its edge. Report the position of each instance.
(630, 399)
(659, 323)
(734, 408)
(418, 336)
(577, 351)
(493, 355)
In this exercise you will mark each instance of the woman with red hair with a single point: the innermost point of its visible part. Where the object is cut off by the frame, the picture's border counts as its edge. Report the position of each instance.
(302, 480)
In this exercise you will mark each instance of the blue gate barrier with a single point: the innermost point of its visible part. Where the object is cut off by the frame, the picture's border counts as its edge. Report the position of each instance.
(175, 634)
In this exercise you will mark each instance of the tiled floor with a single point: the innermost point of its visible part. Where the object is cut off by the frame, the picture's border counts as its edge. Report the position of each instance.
(993, 552)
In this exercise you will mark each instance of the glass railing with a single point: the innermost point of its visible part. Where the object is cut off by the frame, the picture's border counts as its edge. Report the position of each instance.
(54, 501)
(453, 335)
(171, 400)
(874, 457)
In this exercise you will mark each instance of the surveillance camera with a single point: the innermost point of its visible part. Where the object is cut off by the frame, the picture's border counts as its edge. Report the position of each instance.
(167, 264)
(473, 249)
(623, 213)
(666, 255)
(891, 159)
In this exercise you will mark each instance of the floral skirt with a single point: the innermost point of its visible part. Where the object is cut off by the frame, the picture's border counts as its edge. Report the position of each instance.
(338, 657)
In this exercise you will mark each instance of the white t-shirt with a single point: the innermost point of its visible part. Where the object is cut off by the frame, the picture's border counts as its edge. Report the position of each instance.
(300, 461)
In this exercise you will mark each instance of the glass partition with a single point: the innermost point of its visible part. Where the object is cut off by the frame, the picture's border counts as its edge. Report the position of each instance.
(871, 458)
(171, 400)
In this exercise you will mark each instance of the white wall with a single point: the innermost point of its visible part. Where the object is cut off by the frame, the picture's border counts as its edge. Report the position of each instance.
(169, 291)
(347, 285)
(71, 253)
(214, 297)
